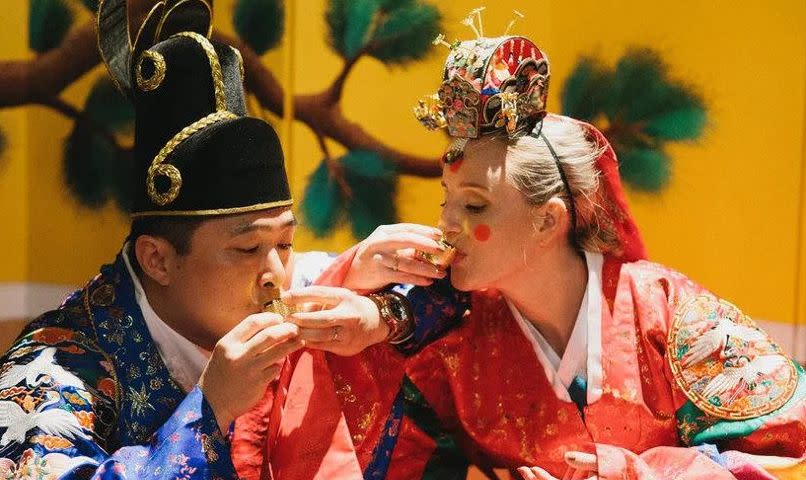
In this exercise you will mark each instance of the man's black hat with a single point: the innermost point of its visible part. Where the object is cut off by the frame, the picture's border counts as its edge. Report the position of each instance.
(196, 151)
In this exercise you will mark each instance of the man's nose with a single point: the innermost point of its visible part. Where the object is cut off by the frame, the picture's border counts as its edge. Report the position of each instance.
(273, 276)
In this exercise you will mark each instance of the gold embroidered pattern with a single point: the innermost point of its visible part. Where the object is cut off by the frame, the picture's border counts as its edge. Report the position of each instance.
(725, 365)
(150, 60)
(461, 100)
(169, 171)
(103, 296)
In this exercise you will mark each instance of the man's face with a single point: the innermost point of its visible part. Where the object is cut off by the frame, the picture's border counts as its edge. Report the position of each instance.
(233, 263)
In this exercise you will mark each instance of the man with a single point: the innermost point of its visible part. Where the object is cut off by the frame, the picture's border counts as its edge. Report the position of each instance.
(141, 373)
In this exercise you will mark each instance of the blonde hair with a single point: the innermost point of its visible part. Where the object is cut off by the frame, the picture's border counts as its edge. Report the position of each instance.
(533, 170)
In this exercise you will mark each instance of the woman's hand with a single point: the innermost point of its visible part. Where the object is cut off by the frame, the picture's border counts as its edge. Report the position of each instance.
(337, 320)
(388, 256)
(583, 467)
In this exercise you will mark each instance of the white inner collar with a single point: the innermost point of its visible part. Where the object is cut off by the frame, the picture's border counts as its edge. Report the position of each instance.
(582, 356)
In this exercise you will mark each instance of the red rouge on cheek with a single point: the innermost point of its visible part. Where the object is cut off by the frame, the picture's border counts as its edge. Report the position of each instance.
(455, 166)
(482, 232)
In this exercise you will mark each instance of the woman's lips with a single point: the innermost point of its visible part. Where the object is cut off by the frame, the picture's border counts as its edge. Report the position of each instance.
(460, 255)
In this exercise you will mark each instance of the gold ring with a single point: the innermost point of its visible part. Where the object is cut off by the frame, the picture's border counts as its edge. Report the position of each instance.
(397, 262)
(336, 331)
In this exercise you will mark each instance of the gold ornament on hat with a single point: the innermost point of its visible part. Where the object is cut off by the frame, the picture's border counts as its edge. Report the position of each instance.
(160, 169)
(509, 111)
(156, 62)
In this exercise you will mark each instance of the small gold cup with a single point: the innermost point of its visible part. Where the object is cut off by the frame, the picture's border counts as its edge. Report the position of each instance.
(440, 260)
(277, 305)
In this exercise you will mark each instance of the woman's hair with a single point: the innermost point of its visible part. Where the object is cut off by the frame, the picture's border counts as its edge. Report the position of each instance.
(533, 170)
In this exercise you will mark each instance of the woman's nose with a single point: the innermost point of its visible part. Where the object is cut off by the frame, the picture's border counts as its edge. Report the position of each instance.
(449, 223)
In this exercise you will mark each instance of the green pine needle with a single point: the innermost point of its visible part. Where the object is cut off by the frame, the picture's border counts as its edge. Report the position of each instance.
(587, 90)
(686, 123)
(643, 107)
(259, 23)
(360, 15)
(644, 168)
(373, 182)
(642, 88)
(88, 166)
(336, 20)
(393, 31)
(48, 23)
(322, 203)
(108, 107)
(406, 34)
(92, 5)
(95, 170)
(388, 5)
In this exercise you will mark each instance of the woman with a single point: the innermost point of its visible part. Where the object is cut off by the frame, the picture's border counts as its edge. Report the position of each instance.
(580, 346)
(577, 357)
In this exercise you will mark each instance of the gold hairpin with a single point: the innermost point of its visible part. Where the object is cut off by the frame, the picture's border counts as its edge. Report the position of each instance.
(440, 40)
(470, 21)
(512, 22)
(477, 13)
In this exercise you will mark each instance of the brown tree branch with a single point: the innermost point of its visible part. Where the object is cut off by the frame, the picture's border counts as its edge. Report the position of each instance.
(334, 168)
(70, 111)
(43, 78)
(336, 89)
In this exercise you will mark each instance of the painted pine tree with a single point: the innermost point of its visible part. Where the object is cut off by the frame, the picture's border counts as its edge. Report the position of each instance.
(359, 187)
(639, 108)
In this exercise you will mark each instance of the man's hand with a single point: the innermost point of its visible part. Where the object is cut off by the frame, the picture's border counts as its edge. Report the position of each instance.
(388, 256)
(244, 362)
(583, 467)
(344, 322)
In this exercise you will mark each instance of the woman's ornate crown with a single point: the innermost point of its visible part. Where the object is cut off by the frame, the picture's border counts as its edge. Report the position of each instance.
(489, 84)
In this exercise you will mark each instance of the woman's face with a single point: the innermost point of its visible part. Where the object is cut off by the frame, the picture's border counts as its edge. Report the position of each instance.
(486, 217)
